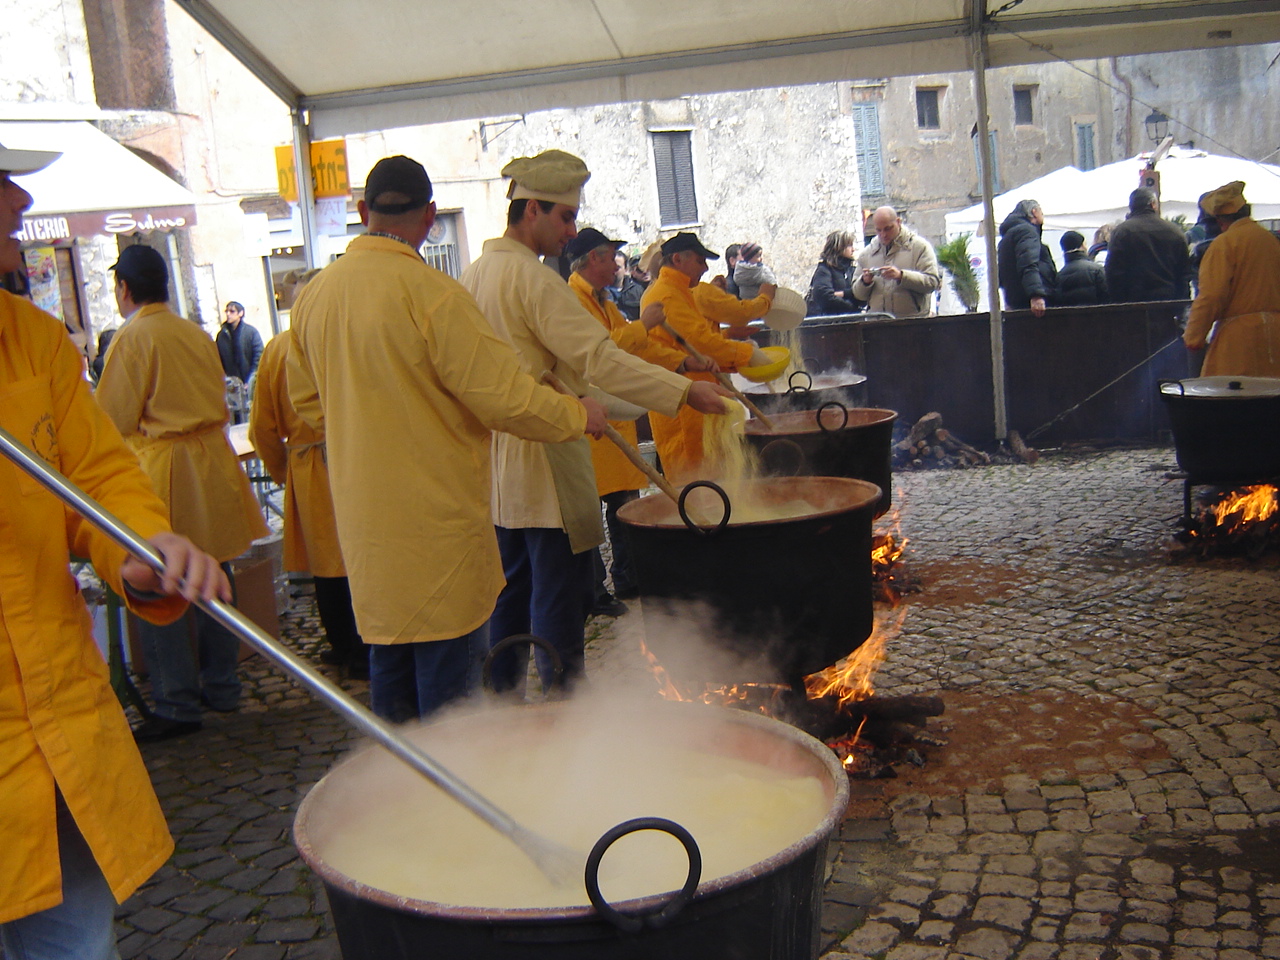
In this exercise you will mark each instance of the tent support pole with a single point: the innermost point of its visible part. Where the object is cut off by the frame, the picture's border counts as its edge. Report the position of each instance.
(978, 45)
(306, 188)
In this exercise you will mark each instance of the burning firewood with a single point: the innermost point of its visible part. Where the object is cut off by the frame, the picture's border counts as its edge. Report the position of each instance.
(1243, 522)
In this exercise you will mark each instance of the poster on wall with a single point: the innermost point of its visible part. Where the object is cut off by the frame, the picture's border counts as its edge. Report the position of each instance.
(42, 275)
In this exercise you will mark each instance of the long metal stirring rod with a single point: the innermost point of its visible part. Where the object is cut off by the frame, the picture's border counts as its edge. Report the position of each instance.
(558, 862)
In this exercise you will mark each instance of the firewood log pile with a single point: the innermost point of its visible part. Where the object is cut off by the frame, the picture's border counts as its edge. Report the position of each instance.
(929, 445)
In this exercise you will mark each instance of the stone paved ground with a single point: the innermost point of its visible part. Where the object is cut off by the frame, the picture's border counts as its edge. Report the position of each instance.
(1108, 789)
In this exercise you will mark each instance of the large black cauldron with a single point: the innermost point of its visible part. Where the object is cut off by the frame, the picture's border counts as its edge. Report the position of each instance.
(769, 911)
(831, 441)
(786, 598)
(1225, 429)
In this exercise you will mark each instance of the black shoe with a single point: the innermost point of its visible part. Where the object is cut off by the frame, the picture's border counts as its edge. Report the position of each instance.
(332, 658)
(162, 728)
(204, 702)
(631, 593)
(608, 606)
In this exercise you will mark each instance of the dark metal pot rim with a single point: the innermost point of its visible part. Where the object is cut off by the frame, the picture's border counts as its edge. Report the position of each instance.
(860, 493)
(1221, 388)
(706, 889)
(806, 422)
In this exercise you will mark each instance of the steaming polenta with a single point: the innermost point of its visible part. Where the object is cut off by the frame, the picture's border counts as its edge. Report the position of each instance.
(409, 839)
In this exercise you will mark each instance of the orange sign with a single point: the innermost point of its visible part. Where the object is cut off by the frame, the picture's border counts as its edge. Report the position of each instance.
(328, 170)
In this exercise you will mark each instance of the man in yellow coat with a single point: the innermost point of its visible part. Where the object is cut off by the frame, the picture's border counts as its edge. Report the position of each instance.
(80, 825)
(544, 500)
(163, 388)
(293, 453)
(618, 480)
(410, 379)
(1239, 298)
(684, 261)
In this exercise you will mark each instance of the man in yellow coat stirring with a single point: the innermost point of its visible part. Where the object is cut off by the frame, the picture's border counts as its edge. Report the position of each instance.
(1239, 296)
(684, 261)
(80, 825)
(544, 498)
(618, 480)
(410, 379)
(163, 388)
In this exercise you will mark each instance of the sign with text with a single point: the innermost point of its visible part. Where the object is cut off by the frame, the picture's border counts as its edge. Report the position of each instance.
(328, 170)
(52, 227)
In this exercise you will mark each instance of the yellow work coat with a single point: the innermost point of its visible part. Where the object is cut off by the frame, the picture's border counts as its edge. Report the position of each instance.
(409, 379)
(294, 454)
(614, 471)
(679, 438)
(535, 310)
(60, 722)
(727, 310)
(1240, 299)
(163, 388)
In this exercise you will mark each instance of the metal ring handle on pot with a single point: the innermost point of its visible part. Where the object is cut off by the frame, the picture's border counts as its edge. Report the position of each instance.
(1182, 390)
(793, 387)
(832, 403)
(689, 522)
(783, 443)
(506, 643)
(667, 912)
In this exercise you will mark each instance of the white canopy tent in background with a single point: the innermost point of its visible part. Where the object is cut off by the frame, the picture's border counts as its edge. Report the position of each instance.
(348, 68)
(1084, 200)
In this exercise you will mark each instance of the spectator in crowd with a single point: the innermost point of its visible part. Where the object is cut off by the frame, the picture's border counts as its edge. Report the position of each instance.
(163, 389)
(1237, 312)
(239, 344)
(1204, 232)
(750, 272)
(100, 358)
(633, 287)
(1101, 240)
(831, 289)
(731, 253)
(1081, 281)
(1147, 258)
(1028, 275)
(898, 271)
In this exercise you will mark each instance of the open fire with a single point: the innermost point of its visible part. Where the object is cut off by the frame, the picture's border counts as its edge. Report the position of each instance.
(1244, 522)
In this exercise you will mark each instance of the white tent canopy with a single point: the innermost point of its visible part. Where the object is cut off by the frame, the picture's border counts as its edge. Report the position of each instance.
(389, 63)
(1083, 201)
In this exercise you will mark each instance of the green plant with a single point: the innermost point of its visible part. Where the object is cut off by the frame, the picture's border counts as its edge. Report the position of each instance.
(954, 255)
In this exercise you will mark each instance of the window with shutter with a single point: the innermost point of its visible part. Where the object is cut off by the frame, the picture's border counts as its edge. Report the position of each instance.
(866, 134)
(1085, 157)
(673, 162)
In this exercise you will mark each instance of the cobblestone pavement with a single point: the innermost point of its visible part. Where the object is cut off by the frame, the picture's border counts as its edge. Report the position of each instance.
(1147, 829)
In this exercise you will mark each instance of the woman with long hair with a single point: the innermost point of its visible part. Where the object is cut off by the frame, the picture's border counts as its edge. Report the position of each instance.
(831, 289)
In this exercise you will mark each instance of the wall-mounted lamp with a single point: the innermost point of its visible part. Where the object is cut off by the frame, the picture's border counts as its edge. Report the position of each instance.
(1157, 126)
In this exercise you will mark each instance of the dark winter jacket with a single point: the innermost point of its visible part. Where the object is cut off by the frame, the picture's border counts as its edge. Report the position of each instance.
(822, 300)
(1081, 282)
(240, 349)
(1148, 259)
(628, 299)
(1026, 267)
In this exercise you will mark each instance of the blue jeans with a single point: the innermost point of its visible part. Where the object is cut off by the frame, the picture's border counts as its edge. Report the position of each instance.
(179, 675)
(623, 568)
(548, 593)
(82, 927)
(410, 681)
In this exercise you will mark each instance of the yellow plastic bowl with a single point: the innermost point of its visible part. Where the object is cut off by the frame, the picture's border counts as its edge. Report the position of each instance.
(780, 357)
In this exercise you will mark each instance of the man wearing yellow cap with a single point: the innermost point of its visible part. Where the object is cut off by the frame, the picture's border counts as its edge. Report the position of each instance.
(1237, 310)
(408, 380)
(544, 497)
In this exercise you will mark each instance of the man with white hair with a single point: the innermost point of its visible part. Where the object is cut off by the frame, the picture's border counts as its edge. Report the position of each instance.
(897, 272)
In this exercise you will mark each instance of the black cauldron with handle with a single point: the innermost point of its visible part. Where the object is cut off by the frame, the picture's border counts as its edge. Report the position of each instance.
(1225, 429)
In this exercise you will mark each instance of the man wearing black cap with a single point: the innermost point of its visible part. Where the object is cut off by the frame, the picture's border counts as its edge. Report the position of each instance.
(408, 379)
(684, 261)
(1081, 282)
(163, 388)
(1148, 258)
(618, 481)
(80, 824)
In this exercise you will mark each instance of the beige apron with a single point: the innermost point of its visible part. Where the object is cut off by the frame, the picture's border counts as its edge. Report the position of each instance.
(575, 482)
